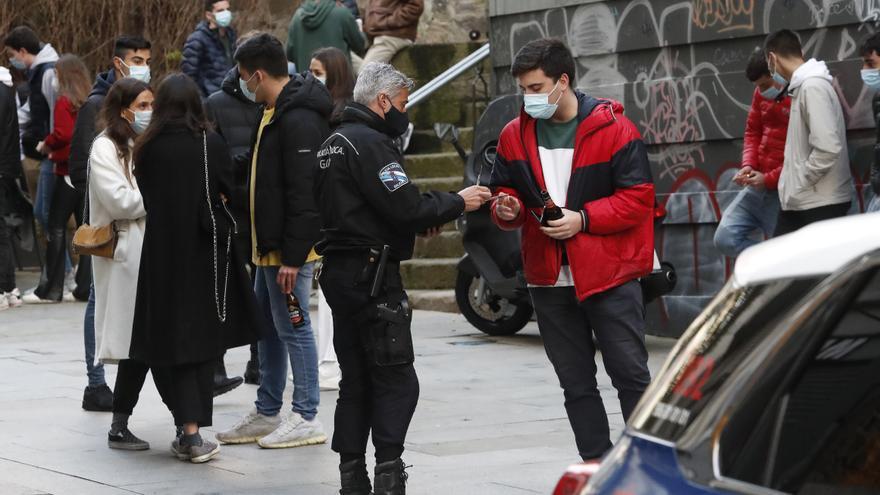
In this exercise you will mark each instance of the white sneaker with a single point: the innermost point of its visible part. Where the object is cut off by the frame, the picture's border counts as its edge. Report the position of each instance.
(250, 428)
(68, 297)
(70, 280)
(294, 431)
(31, 298)
(4, 302)
(14, 298)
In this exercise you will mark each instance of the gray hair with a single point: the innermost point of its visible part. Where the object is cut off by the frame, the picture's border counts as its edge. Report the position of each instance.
(376, 78)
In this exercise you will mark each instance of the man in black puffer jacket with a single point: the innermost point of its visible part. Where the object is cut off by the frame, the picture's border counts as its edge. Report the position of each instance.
(207, 53)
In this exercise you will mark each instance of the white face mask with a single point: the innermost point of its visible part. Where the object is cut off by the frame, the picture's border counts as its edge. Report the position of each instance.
(139, 72)
(539, 106)
(323, 79)
(223, 18)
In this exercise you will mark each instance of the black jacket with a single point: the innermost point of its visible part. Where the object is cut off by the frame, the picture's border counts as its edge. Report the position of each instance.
(235, 118)
(40, 124)
(10, 151)
(365, 197)
(285, 215)
(206, 59)
(84, 130)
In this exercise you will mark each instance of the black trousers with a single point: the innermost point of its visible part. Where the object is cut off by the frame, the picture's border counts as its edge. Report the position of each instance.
(617, 319)
(7, 263)
(190, 391)
(792, 220)
(130, 379)
(65, 201)
(372, 399)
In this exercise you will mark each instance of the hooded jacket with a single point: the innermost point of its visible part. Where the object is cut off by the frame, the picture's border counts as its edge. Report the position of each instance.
(285, 215)
(816, 170)
(764, 140)
(41, 100)
(84, 129)
(397, 18)
(235, 118)
(610, 184)
(205, 58)
(320, 24)
(10, 152)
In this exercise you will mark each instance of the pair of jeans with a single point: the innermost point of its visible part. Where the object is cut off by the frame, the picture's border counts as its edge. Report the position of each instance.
(792, 220)
(43, 202)
(66, 201)
(617, 319)
(95, 371)
(7, 264)
(377, 400)
(287, 343)
(752, 210)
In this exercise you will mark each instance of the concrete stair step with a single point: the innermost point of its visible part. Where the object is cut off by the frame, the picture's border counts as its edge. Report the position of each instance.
(433, 165)
(453, 109)
(426, 141)
(433, 300)
(446, 245)
(429, 273)
(445, 184)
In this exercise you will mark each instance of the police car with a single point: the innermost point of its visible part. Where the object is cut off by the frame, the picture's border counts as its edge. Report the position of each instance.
(774, 388)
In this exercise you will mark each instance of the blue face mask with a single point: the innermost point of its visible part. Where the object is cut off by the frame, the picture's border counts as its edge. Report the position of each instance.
(223, 18)
(771, 93)
(539, 106)
(250, 95)
(139, 72)
(141, 121)
(18, 64)
(776, 77)
(871, 77)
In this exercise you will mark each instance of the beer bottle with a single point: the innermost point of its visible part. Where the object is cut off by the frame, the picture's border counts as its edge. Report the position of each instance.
(294, 310)
(551, 211)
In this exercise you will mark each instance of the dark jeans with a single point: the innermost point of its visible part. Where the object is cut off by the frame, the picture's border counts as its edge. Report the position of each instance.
(130, 380)
(792, 220)
(190, 391)
(66, 201)
(377, 399)
(617, 319)
(95, 371)
(7, 265)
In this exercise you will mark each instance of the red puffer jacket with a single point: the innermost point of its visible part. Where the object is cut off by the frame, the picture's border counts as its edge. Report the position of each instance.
(610, 182)
(764, 140)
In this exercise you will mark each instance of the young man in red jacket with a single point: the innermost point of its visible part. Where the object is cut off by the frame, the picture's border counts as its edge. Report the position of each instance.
(582, 269)
(756, 207)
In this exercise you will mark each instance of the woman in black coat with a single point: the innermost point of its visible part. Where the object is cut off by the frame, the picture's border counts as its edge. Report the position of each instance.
(193, 302)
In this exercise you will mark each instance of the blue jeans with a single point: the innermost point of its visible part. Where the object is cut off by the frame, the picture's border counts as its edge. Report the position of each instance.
(287, 343)
(94, 371)
(751, 210)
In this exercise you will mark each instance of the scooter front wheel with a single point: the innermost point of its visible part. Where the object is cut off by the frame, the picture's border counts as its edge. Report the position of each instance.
(490, 313)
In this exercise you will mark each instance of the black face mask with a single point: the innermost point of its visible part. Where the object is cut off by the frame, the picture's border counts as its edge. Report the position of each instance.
(397, 121)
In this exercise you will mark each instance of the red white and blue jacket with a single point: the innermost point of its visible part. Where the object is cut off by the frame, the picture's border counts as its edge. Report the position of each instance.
(610, 183)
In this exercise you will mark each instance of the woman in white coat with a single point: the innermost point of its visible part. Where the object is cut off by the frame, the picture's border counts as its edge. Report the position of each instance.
(114, 198)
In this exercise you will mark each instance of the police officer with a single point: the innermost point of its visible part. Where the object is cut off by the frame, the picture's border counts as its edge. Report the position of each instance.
(371, 212)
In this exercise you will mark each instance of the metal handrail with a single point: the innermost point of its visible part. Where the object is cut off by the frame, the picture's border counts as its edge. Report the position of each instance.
(448, 75)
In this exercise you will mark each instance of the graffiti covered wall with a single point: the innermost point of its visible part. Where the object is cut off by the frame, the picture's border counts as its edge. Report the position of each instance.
(679, 68)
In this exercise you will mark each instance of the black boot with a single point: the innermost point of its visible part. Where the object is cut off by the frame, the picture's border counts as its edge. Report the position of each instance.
(223, 383)
(390, 478)
(252, 370)
(354, 478)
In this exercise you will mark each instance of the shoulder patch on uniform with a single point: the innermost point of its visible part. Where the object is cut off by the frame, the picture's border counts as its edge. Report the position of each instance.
(393, 177)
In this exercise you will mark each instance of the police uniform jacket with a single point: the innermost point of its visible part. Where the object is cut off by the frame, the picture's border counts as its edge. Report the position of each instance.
(364, 195)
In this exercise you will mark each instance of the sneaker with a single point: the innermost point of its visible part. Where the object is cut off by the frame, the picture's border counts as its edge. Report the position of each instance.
(250, 428)
(14, 298)
(294, 431)
(4, 302)
(68, 297)
(98, 398)
(70, 280)
(198, 452)
(31, 298)
(125, 440)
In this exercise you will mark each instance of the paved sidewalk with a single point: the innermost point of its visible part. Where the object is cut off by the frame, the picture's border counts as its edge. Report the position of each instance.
(490, 420)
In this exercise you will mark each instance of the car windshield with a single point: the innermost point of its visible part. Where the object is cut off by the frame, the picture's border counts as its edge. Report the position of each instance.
(719, 340)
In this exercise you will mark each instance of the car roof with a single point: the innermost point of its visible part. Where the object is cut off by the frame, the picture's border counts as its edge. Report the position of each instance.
(817, 249)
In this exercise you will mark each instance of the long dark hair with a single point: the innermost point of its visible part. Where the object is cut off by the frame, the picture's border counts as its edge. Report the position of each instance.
(178, 104)
(340, 78)
(121, 95)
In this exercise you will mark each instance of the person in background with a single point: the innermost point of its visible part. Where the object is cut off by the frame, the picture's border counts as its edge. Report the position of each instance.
(73, 89)
(816, 183)
(207, 53)
(235, 118)
(870, 51)
(10, 173)
(26, 52)
(319, 24)
(131, 58)
(391, 26)
(352, 7)
(332, 67)
(183, 324)
(756, 206)
(114, 197)
(284, 228)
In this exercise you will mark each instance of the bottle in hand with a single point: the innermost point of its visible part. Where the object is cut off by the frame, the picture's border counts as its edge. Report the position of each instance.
(294, 310)
(551, 211)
